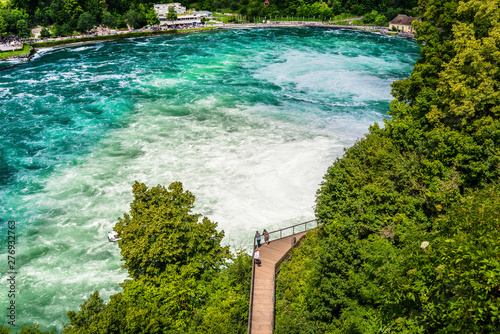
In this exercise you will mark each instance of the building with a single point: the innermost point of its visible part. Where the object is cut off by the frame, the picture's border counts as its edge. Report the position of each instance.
(404, 23)
(162, 10)
(182, 18)
(203, 13)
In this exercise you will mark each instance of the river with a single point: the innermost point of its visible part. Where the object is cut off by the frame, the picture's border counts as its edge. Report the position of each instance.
(248, 120)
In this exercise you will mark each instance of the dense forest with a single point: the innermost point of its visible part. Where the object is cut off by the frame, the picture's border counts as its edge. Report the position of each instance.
(64, 17)
(411, 232)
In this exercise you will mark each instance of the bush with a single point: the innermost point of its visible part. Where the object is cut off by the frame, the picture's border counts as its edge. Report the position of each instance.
(63, 30)
(86, 22)
(45, 33)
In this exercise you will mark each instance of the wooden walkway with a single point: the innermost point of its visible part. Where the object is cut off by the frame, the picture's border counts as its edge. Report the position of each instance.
(263, 296)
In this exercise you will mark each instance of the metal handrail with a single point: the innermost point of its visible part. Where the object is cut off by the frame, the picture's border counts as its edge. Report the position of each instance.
(250, 307)
(280, 231)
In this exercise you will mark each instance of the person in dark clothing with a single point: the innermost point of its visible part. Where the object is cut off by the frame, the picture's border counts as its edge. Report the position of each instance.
(257, 237)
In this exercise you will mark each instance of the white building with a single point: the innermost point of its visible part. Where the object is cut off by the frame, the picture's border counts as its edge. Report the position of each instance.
(182, 18)
(162, 9)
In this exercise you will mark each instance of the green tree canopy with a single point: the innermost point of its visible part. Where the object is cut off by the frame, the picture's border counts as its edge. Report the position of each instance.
(410, 212)
(63, 30)
(182, 279)
(171, 15)
(152, 17)
(3, 25)
(132, 18)
(22, 29)
(86, 22)
(108, 19)
(161, 230)
(45, 33)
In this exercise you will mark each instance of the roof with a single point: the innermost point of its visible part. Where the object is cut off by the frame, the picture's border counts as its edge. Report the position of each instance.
(405, 20)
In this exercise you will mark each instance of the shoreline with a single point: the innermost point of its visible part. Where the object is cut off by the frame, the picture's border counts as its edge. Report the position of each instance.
(275, 24)
(105, 38)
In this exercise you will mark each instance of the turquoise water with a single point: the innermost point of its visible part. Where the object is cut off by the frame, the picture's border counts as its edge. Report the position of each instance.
(248, 120)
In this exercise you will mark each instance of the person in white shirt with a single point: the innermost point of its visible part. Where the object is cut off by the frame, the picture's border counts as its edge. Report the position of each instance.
(256, 257)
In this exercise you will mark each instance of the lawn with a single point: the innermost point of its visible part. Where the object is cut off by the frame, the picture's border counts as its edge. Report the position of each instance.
(7, 54)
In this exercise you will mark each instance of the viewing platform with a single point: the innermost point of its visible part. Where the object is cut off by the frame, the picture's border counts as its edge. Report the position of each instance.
(262, 292)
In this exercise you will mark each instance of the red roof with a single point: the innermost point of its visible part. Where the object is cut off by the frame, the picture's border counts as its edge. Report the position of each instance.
(266, 2)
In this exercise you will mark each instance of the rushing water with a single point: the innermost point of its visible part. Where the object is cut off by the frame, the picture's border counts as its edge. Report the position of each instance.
(248, 120)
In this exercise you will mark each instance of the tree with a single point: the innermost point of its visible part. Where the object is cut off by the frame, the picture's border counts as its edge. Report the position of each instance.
(86, 22)
(39, 16)
(3, 25)
(89, 310)
(181, 281)
(45, 33)
(171, 15)
(152, 17)
(64, 30)
(132, 18)
(22, 29)
(410, 236)
(35, 329)
(108, 20)
(161, 230)
(370, 17)
(380, 20)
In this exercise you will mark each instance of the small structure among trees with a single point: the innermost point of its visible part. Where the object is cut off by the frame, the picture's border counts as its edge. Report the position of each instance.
(404, 23)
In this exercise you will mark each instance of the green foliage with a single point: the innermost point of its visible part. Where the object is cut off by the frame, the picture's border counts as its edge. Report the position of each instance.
(451, 286)
(171, 15)
(380, 20)
(108, 19)
(14, 21)
(370, 17)
(35, 329)
(133, 19)
(161, 230)
(86, 22)
(182, 280)
(139, 13)
(152, 18)
(447, 111)
(63, 30)
(429, 176)
(22, 29)
(3, 25)
(226, 307)
(89, 311)
(45, 33)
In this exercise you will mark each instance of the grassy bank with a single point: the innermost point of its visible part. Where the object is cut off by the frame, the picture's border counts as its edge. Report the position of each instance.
(10, 54)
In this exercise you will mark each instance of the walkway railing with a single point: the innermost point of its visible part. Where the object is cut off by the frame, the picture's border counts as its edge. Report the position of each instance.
(276, 235)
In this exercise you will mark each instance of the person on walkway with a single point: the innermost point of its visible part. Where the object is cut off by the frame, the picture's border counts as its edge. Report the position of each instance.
(266, 237)
(256, 257)
(257, 237)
